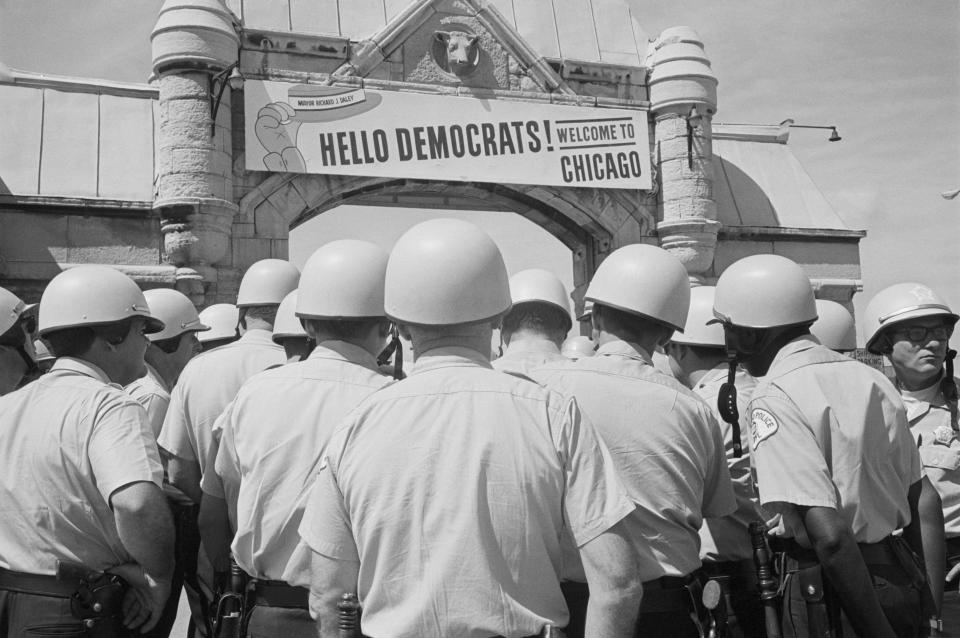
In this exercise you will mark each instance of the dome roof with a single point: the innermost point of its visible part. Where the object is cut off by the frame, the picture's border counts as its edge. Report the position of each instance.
(584, 30)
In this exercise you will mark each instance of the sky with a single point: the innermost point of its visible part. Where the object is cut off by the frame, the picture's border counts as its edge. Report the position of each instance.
(885, 72)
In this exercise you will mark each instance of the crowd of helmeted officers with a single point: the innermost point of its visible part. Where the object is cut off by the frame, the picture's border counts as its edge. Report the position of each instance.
(411, 444)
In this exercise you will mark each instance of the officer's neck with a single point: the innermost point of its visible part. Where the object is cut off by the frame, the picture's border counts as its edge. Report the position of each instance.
(256, 323)
(647, 341)
(473, 336)
(164, 366)
(531, 336)
(704, 366)
(912, 381)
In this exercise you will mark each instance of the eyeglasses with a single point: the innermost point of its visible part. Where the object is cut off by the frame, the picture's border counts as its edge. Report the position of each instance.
(921, 334)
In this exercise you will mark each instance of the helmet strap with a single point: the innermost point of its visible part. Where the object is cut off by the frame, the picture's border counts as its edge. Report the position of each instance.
(948, 386)
(394, 349)
(727, 403)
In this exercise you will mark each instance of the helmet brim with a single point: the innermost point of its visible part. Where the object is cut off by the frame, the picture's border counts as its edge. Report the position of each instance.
(919, 313)
(634, 313)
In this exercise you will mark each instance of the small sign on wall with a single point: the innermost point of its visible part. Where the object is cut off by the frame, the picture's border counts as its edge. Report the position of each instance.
(308, 128)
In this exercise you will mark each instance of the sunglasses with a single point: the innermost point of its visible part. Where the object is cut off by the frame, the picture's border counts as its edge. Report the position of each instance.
(920, 334)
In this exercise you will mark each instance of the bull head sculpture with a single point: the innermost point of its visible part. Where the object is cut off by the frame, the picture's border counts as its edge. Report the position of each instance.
(456, 51)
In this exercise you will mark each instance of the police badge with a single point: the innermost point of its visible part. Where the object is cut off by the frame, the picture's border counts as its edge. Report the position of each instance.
(944, 434)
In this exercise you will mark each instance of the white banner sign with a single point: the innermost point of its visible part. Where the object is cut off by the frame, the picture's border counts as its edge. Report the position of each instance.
(307, 128)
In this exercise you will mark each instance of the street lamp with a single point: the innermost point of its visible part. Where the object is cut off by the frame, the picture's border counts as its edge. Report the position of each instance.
(834, 136)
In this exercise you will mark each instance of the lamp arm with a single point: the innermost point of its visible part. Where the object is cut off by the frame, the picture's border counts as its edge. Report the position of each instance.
(222, 78)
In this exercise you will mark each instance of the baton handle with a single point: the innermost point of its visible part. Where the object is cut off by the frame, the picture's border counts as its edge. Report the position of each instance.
(766, 579)
(348, 617)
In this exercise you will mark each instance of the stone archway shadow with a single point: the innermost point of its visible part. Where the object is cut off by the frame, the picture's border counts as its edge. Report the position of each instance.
(590, 222)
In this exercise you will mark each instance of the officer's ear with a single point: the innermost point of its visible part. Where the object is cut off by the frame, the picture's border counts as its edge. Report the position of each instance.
(404, 331)
(884, 344)
(597, 318)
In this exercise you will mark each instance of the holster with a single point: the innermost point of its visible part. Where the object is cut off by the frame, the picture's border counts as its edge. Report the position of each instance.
(232, 605)
(714, 598)
(677, 595)
(97, 601)
(823, 608)
(916, 572)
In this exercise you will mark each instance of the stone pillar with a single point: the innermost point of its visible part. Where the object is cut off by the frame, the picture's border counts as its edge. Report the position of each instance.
(681, 80)
(192, 41)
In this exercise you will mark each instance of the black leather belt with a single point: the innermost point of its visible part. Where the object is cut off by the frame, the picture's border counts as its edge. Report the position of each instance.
(37, 584)
(666, 594)
(734, 575)
(276, 593)
(879, 553)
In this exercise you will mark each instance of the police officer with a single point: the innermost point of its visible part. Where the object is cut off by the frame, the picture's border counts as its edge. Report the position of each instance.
(832, 454)
(272, 434)
(442, 498)
(16, 342)
(834, 327)
(223, 319)
(699, 358)
(665, 442)
(578, 346)
(79, 471)
(166, 356)
(206, 385)
(289, 333)
(911, 325)
(659, 357)
(537, 323)
(210, 382)
(168, 353)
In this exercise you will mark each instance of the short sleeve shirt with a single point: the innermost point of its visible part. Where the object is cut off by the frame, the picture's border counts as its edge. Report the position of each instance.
(666, 446)
(936, 434)
(272, 437)
(828, 431)
(452, 488)
(152, 393)
(68, 441)
(728, 538)
(523, 356)
(206, 385)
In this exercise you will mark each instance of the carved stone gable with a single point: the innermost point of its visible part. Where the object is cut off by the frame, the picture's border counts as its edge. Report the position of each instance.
(456, 49)
(455, 43)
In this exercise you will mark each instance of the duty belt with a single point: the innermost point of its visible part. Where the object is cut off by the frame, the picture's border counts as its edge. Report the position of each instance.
(37, 584)
(734, 569)
(277, 593)
(667, 594)
(879, 553)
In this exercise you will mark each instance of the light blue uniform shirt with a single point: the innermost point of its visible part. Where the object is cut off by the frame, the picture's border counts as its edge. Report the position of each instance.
(728, 538)
(523, 356)
(931, 424)
(828, 431)
(207, 384)
(68, 441)
(453, 488)
(666, 446)
(272, 436)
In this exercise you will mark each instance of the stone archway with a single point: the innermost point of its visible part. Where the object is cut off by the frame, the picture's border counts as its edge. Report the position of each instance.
(590, 222)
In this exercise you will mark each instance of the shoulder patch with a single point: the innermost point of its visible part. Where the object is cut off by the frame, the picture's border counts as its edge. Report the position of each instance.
(763, 425)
